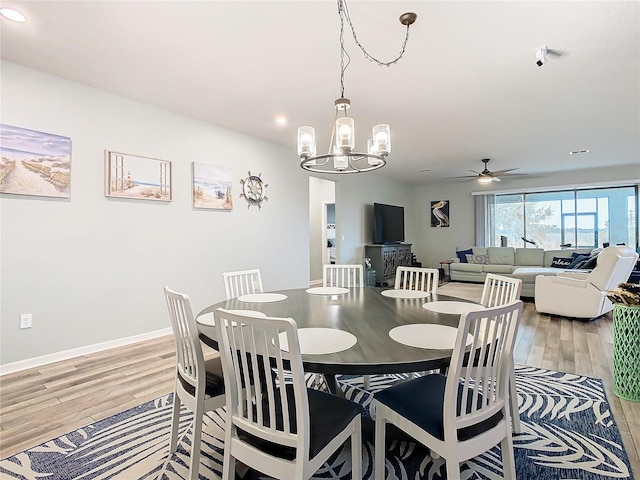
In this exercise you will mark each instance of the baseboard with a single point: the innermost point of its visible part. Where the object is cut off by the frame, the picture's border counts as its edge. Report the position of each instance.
(315, 283)
(77, 352)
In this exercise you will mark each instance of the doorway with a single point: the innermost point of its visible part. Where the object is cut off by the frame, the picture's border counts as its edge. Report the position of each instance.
(322, 227)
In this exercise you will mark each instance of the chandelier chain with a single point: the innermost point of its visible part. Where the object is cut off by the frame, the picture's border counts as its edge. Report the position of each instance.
(344, 11)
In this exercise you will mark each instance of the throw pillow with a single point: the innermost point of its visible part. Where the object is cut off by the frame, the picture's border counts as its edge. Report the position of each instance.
(579, 259)
(462, 255)
(479, 259)
(591, 263)
(581, 264)
(561, 262)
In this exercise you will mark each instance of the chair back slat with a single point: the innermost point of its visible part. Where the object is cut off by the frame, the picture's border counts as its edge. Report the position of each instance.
(342, 275)
(500, 290)
(484, 387)
(416, 278)
(189, 356)
(242, 282)
(261, 352)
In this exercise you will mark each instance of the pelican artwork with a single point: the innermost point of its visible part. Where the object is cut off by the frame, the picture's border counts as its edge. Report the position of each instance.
(439, 218)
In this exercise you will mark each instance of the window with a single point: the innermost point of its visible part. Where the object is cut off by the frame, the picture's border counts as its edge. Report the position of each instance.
(584, 218)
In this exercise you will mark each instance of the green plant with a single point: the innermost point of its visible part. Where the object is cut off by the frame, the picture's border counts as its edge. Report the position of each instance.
(626, 294)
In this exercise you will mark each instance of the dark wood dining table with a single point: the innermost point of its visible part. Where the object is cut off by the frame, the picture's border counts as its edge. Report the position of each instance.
(363, 312)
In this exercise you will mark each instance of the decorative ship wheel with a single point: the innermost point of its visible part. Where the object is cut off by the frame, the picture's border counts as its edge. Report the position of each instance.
(253, 190)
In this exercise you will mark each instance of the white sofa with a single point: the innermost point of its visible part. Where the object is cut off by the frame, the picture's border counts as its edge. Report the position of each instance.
(523, 263)
(584, 295)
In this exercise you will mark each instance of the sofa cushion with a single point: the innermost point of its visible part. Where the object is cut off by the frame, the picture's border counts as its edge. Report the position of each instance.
(529, 274)
(462, 255)
(480, 251)
(530, 257)
(497, 268)
(501, 255)
(478, 259)
(466, 267)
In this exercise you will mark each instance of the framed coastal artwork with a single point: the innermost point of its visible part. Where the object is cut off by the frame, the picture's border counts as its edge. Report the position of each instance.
(440, 213)
(34, 163)
(211, 187)
(137, 177)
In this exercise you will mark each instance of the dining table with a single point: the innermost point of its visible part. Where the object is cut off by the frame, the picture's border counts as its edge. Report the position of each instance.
(357, 331)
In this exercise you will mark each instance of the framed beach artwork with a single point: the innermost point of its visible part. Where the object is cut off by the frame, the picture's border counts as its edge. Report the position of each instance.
(440, 213)
(136, 177)
(34, 163)
(211, 187)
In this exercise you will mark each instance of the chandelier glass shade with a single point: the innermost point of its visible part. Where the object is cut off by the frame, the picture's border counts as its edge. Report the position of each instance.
(342, 156)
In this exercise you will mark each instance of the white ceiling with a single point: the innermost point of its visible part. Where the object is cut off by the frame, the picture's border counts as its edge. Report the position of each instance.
(468, 87)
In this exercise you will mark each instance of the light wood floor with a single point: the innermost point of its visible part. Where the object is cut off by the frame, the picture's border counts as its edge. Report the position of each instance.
(42, 403)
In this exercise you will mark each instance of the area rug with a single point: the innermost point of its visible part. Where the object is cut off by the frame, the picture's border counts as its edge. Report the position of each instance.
(568, 432)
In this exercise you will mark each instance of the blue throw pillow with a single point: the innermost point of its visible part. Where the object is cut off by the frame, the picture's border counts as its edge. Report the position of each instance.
(462, 255)
(578, 260)
(591, 263)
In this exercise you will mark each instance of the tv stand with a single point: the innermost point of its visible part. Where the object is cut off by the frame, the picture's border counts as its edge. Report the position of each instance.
(386, 258)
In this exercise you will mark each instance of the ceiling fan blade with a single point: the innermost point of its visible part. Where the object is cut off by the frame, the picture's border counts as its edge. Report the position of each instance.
(463, 176)
(502, 172)
(496, 179)
(477, 173)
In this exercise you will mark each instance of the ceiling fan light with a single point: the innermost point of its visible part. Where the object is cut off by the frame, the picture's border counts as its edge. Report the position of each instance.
(486, 180)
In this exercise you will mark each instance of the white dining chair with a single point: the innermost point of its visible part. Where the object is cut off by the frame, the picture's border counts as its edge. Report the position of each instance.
(460, 415)
(242, 282)
(500, 290)
(282, 429)
(342, 275)
(417, 278)
(198, 384)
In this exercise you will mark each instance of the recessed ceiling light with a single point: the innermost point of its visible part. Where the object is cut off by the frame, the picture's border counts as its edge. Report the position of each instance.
(577, 152)
(12, 14)
(281, 120)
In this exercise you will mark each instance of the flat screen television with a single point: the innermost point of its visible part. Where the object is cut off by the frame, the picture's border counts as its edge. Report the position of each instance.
(388, 223)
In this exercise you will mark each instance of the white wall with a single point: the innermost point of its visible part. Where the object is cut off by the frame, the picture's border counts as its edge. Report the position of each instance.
(355, 196)
(436, 244)
(91, 269)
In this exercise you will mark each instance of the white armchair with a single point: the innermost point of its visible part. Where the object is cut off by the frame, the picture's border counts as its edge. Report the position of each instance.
(584, 295)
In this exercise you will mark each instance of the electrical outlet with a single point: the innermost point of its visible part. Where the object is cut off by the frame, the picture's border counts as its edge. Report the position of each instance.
(25, 320)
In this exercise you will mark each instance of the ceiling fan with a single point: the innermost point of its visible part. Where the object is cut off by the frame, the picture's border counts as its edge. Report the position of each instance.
(487, 176)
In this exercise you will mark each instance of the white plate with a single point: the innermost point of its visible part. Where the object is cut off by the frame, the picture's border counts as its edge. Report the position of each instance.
(455, 308)
(327, 290)
(209, 320)
(425, 335)
(262, 297)
(401, 293)
(320, 341)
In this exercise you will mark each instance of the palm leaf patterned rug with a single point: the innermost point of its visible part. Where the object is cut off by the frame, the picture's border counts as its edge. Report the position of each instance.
(568, 432)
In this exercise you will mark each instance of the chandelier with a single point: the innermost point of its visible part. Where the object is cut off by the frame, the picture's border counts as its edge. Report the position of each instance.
(341, 156)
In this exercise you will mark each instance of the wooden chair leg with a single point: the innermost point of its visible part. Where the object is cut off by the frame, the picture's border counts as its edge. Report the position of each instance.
(453, 470)
(175, 422)
(380, 449)
(356, 450)
(194, 465)
(508, 458)
(513, 400)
